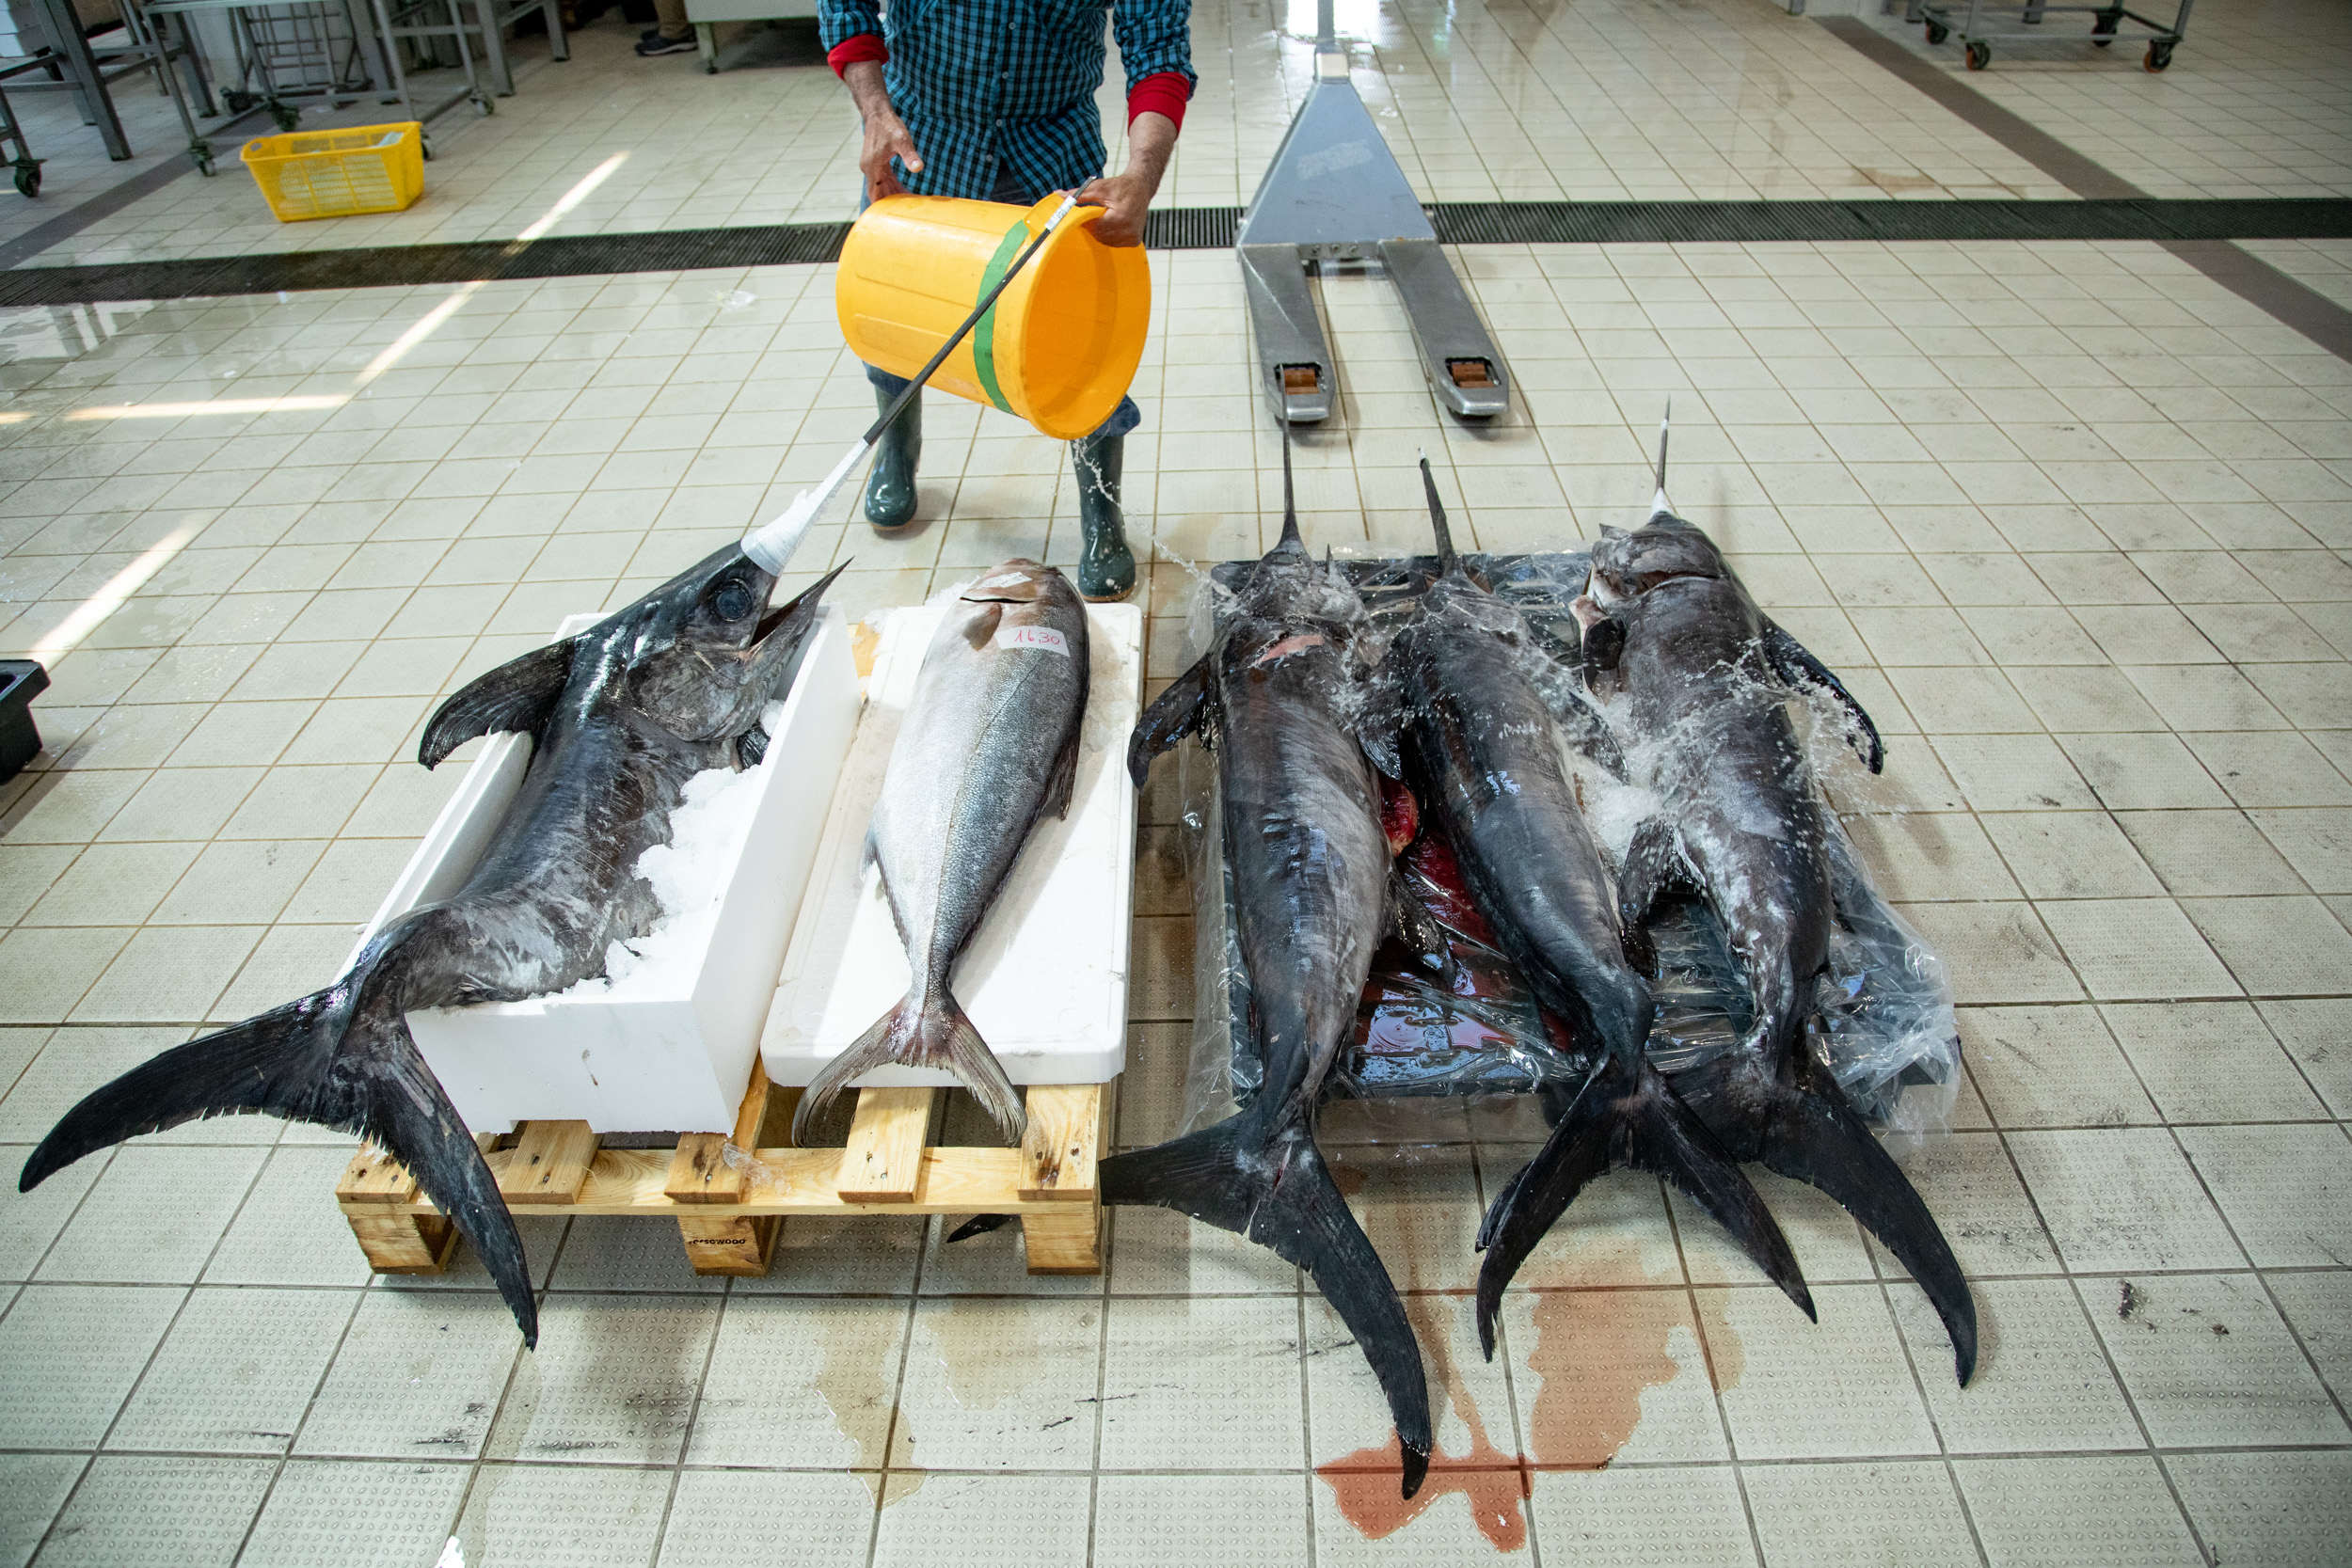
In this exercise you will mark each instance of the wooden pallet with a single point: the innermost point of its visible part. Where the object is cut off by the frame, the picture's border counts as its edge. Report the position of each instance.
(730, 1194)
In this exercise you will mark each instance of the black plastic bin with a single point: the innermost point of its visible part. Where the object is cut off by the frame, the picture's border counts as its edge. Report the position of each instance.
(21, 681)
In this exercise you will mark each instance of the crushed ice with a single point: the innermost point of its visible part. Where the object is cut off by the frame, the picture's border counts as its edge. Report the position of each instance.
(688, 874)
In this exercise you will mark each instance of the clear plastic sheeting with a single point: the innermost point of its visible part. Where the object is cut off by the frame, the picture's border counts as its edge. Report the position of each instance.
(1884, 1022)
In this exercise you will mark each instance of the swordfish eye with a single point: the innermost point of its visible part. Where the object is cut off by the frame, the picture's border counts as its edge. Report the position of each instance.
(733, 600)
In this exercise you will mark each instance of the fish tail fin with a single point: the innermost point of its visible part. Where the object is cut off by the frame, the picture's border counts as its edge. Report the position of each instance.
(1812, 1135)
(928, 1029)
(1447, 560)
(1281, 1196)
(342, 1058)
(1627, 1121)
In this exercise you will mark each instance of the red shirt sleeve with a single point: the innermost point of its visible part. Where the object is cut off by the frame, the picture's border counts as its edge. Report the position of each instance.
(860, 46)
(1164, 93)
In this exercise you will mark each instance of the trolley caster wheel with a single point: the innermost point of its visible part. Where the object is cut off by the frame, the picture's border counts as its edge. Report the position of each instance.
(2159, 55)
(285, 114)
(424, 148)
(204, 163)
(1979, 55)
(237, 99)
(1937, 35)
(28, 179)
(484, 107)
(2103, 28)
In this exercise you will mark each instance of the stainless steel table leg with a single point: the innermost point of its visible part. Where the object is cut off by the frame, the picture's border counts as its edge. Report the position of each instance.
(501, 79)
(65, 37)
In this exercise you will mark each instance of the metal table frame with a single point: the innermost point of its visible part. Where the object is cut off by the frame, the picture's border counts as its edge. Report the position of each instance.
(2106, 26)
(72, 66)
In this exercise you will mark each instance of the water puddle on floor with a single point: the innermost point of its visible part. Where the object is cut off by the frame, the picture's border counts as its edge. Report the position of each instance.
(852, 1378)
(989, 1350)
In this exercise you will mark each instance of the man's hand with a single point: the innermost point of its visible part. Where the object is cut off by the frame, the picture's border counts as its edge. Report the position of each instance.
(1151, 136)
(886, 136)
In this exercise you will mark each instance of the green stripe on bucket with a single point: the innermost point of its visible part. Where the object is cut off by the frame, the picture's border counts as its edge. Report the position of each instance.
(984, 335)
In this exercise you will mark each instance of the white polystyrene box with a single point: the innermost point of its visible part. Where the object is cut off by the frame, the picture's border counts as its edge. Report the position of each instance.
(673, 1057)
(1045, 980)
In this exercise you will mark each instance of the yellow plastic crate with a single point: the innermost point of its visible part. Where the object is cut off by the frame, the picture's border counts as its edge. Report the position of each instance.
(332, 174)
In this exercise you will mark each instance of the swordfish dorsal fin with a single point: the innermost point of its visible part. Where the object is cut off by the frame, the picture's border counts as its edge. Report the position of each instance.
(516, 696)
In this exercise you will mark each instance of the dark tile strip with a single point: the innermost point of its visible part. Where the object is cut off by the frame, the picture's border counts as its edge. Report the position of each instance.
(2248, 276)
(2039, 148)
(1199, 229)
(82, 214)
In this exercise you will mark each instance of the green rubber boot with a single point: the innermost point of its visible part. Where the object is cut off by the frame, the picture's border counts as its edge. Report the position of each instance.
(890, 487)
(1106, 567)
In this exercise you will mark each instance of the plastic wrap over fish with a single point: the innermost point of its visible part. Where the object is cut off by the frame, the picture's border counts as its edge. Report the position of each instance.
(1884, 1023)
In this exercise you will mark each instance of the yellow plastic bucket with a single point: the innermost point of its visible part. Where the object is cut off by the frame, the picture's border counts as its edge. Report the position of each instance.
(1059, 348)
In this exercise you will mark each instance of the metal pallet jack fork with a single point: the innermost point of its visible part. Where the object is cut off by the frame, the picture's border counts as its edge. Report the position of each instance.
(1335, 192)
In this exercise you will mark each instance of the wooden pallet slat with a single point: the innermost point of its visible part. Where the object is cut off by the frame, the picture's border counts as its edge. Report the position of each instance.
(884, 1161)
(1057, 1149)
(729, 1194)
(548, 1164)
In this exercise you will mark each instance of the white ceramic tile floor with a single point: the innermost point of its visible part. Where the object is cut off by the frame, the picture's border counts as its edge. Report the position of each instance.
(1616, 100)
(2172, 1122)
(2072, 518)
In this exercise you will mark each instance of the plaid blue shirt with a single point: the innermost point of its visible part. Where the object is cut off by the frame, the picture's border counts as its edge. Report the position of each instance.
(984, 84)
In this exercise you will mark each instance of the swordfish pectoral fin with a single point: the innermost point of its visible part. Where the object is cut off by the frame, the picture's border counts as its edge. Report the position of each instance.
(1812, 1135)
(1796, 665)
(1187, 706)
(1632, 1121)
(1284, 1200)
(517, 696)
(1415, 926)
(1654, 866)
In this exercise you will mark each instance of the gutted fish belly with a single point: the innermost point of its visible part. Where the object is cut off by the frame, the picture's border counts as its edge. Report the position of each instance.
(621, 716)
(989, 745)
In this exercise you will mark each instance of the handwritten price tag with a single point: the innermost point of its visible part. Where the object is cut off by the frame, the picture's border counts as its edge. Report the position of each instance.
(1033, 637)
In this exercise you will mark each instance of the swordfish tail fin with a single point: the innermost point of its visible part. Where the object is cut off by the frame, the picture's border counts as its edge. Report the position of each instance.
(1812, 1135)
(342, 1058)
(926, 1030)
(1279, 1194)
(1627, 1121)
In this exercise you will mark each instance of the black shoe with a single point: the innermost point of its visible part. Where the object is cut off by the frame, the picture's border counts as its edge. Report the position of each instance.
(1106, 567)
(890, 487)
(653, 43)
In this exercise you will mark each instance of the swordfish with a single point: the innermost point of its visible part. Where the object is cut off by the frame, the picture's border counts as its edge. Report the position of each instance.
(1277, 698)
(621, 716)
(1703, 682)
(1482, 748)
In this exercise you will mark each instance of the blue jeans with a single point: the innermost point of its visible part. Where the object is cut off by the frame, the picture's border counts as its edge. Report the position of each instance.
(1123, 418)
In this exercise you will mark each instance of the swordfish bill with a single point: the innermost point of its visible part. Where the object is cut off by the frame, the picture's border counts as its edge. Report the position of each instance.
(1482, 747)
(621, 717)
(1741, 824)
(1273, 696)
(989, 747)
